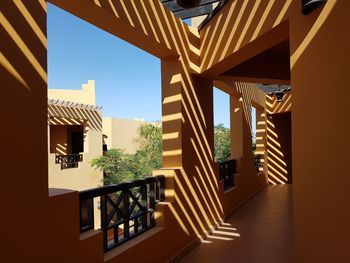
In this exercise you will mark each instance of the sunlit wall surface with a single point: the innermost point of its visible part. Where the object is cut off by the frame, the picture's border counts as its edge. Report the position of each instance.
(191, 61)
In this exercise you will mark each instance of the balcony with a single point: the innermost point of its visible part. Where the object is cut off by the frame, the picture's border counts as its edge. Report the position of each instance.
(126, 209)
(69, 161)
(246, 43)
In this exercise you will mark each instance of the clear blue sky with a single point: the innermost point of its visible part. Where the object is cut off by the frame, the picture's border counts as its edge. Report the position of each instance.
(128, 80)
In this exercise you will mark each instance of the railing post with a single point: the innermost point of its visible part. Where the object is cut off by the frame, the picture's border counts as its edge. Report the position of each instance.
(152, 201)
(161, 179)
(126, 204)
(136, 224)
(86, 214)
(104, 227)
(144, 205)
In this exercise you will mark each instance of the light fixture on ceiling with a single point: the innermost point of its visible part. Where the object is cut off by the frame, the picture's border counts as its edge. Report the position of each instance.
(188, 3)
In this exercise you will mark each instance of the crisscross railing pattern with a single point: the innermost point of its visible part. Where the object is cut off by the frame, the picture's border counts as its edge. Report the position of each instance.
(126, 209)
(69, 160)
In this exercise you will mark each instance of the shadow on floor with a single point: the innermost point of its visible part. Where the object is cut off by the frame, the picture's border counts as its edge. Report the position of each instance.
(259, 232)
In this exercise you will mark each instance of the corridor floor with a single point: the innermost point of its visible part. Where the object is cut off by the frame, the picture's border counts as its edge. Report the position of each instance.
(259, 232)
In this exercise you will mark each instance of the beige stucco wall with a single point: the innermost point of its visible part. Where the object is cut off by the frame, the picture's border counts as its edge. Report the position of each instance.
(121, 133)
(85, 176)
(84, 95)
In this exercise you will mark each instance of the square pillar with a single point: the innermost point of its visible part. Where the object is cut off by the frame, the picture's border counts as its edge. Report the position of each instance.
(236, 125)
(24, 159)
(188, 145)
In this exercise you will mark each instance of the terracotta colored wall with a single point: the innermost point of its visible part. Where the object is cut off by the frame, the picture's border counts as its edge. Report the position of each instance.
(318, 61)
(320, 47)
(273, 106)
(243, 96)
(183, 219)
(279, 137)
(59, 139)
(225, 39)
(24, 128)
(319, 66)
(279, 148)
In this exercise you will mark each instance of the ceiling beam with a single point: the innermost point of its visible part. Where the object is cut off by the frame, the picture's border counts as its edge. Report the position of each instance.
(252, 79)
(101, 16)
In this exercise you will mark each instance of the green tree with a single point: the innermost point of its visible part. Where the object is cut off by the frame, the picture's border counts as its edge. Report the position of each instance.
(119, 166)
(222, 142)
(254, 142)
(116, 165)
(149, 154)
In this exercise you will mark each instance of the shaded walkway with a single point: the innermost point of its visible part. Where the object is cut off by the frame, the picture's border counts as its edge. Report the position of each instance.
(260, 231)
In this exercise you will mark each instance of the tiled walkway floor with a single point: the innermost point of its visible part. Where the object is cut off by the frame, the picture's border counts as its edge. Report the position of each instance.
(259, 232)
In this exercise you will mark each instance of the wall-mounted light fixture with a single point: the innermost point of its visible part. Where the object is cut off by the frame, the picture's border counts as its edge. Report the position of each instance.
(188, 3)
(309, 5)
(279, 95)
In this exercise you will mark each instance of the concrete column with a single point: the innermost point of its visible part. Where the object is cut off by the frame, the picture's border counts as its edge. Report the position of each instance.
(236, 125)
(24, 164)
(188, 142)
(261, 138)
(172, 118)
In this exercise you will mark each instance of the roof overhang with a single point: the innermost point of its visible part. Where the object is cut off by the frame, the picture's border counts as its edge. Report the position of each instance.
(70, 104)
(205, 7)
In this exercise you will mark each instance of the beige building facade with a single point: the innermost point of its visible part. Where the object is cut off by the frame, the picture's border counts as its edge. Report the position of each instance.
(75, 138)
(121, 133)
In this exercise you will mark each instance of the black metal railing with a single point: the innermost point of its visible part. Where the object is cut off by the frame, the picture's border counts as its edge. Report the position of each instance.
(126, 209)
(227, 171)
(69, 161)
(258, 162)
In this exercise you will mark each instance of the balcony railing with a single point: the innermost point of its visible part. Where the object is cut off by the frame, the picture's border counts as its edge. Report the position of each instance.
(126, 209)
(227, 171)
(69, 161)
(258, 162)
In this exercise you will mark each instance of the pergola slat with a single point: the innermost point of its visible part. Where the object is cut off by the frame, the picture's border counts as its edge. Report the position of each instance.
(193, 12)
(205, 7)
(57, 102)
(174, 7)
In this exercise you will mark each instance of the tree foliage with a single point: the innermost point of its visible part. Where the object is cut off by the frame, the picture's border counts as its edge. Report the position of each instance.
(116, 165)
(149, 154)
(254, 142)
(222, 142)
(119, 166)
(150, 136)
